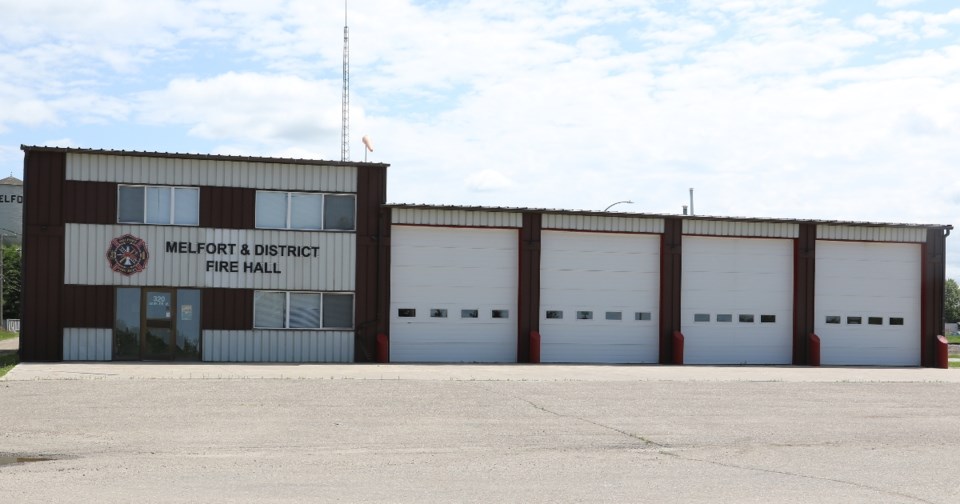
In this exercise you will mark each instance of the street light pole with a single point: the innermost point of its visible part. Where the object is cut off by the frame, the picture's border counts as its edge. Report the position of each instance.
(617, 203)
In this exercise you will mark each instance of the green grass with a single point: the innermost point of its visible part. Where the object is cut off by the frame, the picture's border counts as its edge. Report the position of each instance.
(7, 362)
(952, 364)
(7, 335)
(954, 339)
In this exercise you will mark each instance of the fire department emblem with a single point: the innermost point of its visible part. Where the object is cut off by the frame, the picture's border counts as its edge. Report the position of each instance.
(127, 255)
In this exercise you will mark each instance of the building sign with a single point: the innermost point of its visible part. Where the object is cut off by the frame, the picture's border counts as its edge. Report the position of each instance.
(252, 258)
(128, 255)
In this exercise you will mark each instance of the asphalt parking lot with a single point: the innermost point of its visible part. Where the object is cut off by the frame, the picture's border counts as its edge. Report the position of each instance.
(122, 433)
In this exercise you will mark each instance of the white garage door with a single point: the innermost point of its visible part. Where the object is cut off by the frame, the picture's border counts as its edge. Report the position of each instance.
(867, 308)
(737, 300)
(453, 294)
(599, 297)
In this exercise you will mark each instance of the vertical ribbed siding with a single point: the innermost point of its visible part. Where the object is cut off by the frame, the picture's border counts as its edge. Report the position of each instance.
(85, 344)
(205, 172)
(804, 287)
(278, 346)
(333, 270)
(872, 233)
(41, 335)
(671, 265)
(932, 294)
(602, 223)
(371, 194)
(227, 309)
(456, 218)
(227, 207)
(90, 202)
(528, 318)
(740, 228)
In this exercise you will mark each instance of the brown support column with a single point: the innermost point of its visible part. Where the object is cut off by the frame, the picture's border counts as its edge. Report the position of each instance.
(804, 276)
(931, 296)
(528, 318)
(670, 269)
(371, 195)
(41, 327)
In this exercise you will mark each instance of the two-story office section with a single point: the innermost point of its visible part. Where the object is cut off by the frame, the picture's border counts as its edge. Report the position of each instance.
(158, 256)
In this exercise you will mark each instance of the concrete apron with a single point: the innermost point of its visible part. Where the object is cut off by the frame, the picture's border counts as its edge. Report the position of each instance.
(467, 372)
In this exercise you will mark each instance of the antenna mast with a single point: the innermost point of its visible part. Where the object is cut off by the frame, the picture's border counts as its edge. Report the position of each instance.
(345, 101)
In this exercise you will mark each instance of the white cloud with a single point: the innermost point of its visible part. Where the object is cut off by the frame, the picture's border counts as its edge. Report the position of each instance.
(896, 4)
(488, 180)
(264, 110)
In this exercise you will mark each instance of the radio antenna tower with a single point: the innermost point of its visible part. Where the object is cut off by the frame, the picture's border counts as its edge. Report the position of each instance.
(345, 101)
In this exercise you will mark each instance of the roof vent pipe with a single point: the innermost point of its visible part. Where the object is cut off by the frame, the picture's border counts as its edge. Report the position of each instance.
(684, 209)
(691, 201)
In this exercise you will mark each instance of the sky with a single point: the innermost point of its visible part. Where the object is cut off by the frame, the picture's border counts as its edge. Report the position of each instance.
(803, 109)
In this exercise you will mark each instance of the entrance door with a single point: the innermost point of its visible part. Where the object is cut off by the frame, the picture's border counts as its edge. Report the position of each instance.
(156, 323)
(159, 328)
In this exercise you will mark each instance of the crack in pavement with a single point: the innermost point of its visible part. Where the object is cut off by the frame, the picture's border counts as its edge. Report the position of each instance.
(663, 449)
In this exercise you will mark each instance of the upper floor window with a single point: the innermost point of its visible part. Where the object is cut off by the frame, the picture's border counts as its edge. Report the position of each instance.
(158, 205)
(309, 211)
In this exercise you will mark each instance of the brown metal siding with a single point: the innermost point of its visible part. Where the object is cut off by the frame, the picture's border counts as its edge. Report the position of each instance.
(369, 318)
(932, 285)
(89, 306)
(41, 323)
(90, 202)
(528, 317)
(227, 309)
(671, 256)
(228, 207)
(804, 275)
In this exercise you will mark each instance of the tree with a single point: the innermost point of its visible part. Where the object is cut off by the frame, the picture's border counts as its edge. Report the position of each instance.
(11, 281)
(951, 301)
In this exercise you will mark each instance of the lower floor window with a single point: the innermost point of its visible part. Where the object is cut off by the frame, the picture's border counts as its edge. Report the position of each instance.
(302, 310)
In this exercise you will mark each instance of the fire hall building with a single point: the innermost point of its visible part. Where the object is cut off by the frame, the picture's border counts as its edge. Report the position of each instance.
(182, 257)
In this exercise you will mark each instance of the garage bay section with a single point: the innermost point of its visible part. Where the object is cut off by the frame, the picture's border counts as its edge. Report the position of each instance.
(162, 256)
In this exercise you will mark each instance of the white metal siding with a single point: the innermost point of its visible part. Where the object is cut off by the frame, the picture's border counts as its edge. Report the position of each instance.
(85, 262)
(602, 223)
(600, 273)
(206, 172)
(865, 280)
(278, 346)
(462, 218)
(731, 276)
(83, 344)
(741, 228)
(872, 233)
(453, 269)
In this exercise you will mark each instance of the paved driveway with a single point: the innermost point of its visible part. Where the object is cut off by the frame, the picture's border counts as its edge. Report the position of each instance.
(460, 434)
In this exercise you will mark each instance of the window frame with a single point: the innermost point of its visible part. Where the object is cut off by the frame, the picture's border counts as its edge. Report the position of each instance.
(171, 217)
(289, 214)
(286, 310)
